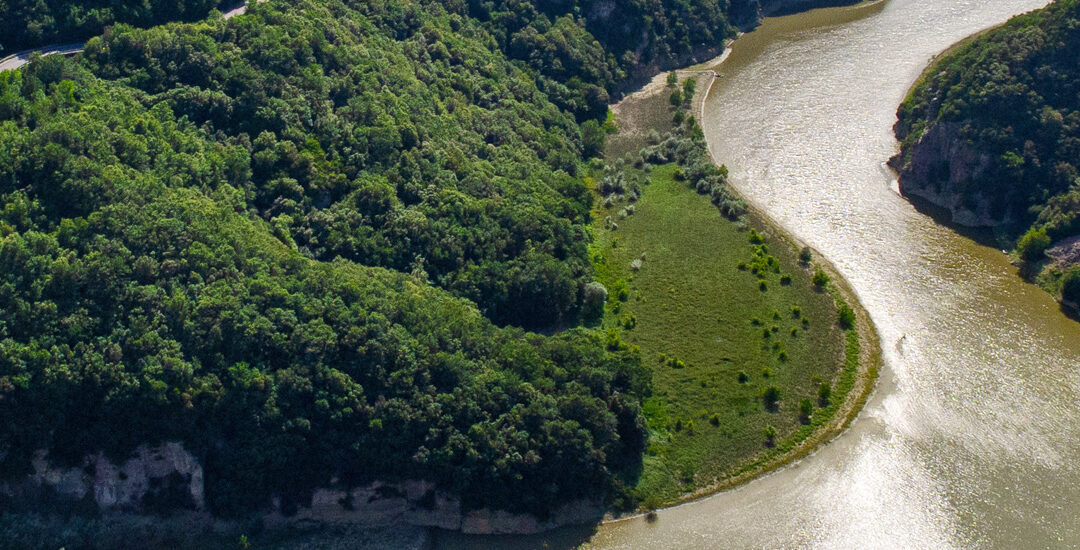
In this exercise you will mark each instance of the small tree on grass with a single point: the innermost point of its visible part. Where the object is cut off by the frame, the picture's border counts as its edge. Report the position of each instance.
(823, 394)
(805, 255)
(771, 398)
(676, 98)
(688, 89)
(806, 408)
(672, 79)
(820, 278)
(770, 436)
(847, 317)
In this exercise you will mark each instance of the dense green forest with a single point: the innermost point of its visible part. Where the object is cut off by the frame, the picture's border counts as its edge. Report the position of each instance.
(29, 23)
(310, 242)
(233, 234)
(1013, 92)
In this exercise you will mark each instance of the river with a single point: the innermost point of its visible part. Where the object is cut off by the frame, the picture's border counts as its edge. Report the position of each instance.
(972, 438)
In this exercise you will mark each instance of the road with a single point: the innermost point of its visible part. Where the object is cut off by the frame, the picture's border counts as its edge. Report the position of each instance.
(19, 59)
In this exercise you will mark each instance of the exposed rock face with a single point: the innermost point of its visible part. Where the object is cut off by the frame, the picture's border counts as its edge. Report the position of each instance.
(168, 478)
(420, 503)
(153, 479)
(938, 166)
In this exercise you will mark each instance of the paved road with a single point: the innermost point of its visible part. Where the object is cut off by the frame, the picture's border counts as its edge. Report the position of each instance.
(22, 58)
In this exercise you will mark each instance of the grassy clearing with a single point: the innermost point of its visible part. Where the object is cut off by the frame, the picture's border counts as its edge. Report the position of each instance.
(716, 340)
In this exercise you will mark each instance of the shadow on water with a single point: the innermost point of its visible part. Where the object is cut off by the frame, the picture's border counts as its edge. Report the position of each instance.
(564, 538)
(984, 236)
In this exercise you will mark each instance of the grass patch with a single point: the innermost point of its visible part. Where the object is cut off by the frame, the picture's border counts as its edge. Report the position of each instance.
(737, 334)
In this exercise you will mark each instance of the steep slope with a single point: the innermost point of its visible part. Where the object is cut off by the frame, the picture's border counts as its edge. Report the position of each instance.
(992, 133)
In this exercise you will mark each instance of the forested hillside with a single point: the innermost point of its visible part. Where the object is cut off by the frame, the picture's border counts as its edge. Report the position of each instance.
(229, 234)
(993, 132)
(29, 23)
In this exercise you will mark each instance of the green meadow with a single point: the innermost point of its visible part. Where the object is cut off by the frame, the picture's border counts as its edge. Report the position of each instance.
(739, 338)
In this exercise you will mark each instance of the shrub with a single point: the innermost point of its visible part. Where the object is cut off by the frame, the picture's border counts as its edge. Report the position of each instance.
(757, 239)
(678, 117)
(794, 332)
(766, 372)
(743, 377)
(776, 315)
(805, 255)
(806, 408)
(676, 98)
(847, 317)
(714, 419)
(672, 79)
(763, 286)
(630, 322)
(783, 356)
(592, 306)
(1032, 246)
(771, 398)
(621, 290)
(593, 139)
(796, 311)
(689, 87)
(824, 393)
(820, 278)
(678, 425)
(785, 280)
(770, 436)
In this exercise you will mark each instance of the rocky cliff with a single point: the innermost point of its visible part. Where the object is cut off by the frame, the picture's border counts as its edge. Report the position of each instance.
(168, 479)
(938, 166)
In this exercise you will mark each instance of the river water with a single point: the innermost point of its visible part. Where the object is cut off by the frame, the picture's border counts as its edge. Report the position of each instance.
(972, 438)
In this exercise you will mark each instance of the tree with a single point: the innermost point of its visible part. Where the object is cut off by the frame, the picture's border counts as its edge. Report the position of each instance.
(1033, 245)
(676, 98)
(771, 398)
(593, 138)
(806, 409)
(672, 79)
(689, 86)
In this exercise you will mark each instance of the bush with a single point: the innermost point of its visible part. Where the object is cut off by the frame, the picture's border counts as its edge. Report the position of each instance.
(820, 278)
(1032, 246)
(847, 317)
(593, 139)
(824, 393)
(771, 398)
(672, 79)
(743, 377)
(770, 436)
(689, 86)
(592, 306)
(676, 98)
(714, 419)
(806, 408)
(796, 311)
(805, 255)
(785, 280)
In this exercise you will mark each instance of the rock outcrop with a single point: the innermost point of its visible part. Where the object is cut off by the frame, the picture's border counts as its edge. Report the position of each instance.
(153, 479)
(167, 478)
(936, 169)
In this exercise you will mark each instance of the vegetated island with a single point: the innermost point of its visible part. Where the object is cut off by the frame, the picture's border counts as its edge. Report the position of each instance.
(288, 266)
(756, 350)
(991, 133)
